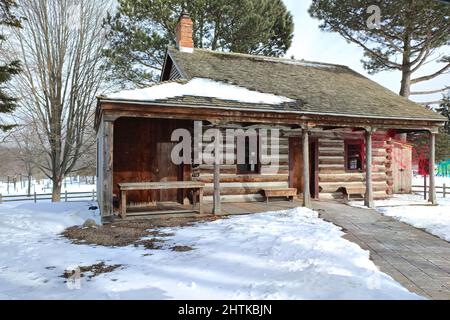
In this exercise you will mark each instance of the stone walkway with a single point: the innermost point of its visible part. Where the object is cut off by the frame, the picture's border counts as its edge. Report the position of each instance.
(414, 258)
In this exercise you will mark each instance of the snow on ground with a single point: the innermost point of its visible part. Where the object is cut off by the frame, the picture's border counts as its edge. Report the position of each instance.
(433, 219)
(280, 255)
(199, 87)
(414, 210)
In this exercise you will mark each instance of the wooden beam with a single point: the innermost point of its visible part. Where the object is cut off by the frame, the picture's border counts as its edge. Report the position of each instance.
(306, 191)
(216, 198)
(107, 167)
(432, 192)
(368, 197)
(112, 110)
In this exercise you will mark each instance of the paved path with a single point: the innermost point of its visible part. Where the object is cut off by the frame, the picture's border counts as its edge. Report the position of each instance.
(414, 258)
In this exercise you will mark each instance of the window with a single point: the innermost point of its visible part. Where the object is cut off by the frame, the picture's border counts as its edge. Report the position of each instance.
(354, 156)
(251, 164)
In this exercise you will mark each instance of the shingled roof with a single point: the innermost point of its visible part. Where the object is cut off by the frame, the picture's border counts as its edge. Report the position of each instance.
(318, 88)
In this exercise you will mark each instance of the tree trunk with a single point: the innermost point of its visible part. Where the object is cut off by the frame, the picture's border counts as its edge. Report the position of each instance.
(405, 89)
(29, 185)
(56, 189)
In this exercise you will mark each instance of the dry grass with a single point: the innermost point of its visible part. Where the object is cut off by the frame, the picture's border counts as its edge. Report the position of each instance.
(125, 233)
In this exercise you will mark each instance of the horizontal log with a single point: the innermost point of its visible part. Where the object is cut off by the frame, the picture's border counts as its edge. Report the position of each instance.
(337, 153)
(331, 144)
(379, 153)
(350, 177)
(269, 171)
(335, 186)
(244, 185)
(236, 198)
(331, 160)
(339, 195)
(331, 167)
(208, 169)
(233, 191)
(244, 178)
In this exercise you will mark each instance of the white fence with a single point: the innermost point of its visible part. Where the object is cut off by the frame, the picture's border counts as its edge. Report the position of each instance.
(65, 196)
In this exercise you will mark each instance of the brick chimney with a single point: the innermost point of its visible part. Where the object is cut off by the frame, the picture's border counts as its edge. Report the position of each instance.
(185, 26)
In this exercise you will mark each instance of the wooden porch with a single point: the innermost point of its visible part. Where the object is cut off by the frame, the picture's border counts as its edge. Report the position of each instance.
(228, 208)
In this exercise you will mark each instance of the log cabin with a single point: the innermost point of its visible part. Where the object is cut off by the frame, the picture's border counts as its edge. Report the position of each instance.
(335, 131)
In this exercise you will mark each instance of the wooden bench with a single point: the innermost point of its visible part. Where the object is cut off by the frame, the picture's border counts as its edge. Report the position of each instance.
(139, 186)
(289, 193)
(349, 191)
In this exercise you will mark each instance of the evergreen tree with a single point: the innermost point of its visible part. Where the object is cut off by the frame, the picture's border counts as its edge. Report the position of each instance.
(421, 141)
(140, 32)
(406, 38)
(444, 109)
(443, 138)
(7, 70)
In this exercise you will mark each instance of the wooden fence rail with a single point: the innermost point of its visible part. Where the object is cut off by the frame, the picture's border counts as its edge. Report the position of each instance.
(65, 196)
(444, 190)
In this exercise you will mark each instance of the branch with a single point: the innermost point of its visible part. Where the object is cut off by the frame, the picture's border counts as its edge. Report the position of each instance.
(431, 76)
(384, 60)
(415, 93)
(431, 102)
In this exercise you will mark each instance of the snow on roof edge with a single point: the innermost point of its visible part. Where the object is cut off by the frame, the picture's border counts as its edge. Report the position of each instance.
(199, 87)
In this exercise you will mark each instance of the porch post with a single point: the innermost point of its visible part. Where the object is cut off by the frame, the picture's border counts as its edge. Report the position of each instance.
(432, 191)
(216, 198)
(107, 168)
(306, 191)
(368, 197)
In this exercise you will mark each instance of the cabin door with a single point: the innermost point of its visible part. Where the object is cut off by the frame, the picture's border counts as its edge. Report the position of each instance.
(166, 170)
(295, 164)
(402, 168)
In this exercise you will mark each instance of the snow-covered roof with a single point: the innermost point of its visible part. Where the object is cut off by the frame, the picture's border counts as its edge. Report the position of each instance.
(199, 87)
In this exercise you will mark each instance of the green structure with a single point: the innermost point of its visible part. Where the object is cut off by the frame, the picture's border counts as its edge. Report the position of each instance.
(444, 169)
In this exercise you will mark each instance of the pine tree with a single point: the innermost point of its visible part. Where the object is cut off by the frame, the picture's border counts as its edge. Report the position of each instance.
(443, 138)
(7, 70)
(406, 38)
(444, 109)
(140, 32)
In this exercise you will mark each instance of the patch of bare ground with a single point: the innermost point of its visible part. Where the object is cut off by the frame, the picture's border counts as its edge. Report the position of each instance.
(181, 248)
(133, 232)
(91, 271)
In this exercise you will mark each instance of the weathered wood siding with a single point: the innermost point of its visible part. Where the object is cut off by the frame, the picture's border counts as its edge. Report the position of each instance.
(100, 164)
(142, 150)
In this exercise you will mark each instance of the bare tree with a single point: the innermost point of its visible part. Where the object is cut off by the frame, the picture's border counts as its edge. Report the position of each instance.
(60, 45)
(29, 151)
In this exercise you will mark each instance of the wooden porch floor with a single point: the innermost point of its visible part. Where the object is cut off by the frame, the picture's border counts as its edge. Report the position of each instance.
(227, 208)
(234, 208)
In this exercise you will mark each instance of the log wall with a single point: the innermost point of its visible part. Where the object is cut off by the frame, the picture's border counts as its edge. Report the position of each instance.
(236, 187)
(332, 172)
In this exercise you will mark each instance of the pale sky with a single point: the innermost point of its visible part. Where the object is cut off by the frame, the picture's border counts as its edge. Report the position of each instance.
(310, 43)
